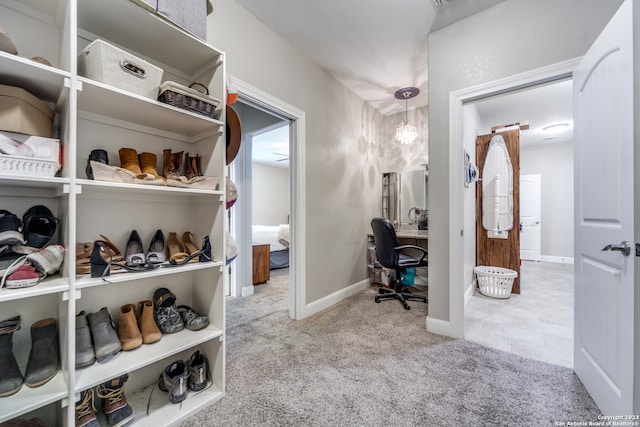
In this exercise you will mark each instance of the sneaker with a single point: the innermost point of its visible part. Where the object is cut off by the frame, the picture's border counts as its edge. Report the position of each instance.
(192, 320)
(22, 277)
(165, 313)
(38, 226)
(86, 411)
(174, 381)
(10, 229)
(199, 374)
(114, 402)
(48, 260)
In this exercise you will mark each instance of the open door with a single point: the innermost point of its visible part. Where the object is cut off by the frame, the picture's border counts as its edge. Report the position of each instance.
(604, 215)
(530, 208)
(498, 252)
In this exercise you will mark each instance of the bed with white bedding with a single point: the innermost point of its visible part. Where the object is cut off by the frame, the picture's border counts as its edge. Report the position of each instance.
(277, 236)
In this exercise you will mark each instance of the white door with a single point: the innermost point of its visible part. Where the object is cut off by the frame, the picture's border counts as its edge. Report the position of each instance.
(604, 201)
(530, 217)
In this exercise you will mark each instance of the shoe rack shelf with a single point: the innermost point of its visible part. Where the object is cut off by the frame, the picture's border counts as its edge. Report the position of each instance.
(92, 115)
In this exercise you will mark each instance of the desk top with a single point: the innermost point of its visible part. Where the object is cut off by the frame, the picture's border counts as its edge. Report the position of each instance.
(412, 234)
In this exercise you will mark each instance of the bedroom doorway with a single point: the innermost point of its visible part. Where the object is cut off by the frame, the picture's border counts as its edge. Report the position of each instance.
(268, 205)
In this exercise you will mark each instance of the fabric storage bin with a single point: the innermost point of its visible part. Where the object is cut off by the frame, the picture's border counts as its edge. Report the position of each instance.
(190, 15)
(21, 112)
(187, 98)
(110, 65)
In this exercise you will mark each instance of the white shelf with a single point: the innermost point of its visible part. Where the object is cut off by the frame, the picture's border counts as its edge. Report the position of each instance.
(108, 101)
(121, 276)
(45, 287)
(164, 413)
(40, 182)
(97, 188)
(29, 399)
(40, 80)
(128, 361)
(127, 24)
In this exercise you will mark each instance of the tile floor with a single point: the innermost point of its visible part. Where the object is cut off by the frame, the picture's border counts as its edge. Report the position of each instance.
(537, 324)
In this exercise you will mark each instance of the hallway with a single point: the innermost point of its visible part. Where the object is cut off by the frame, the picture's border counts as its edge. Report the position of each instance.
(537, 324)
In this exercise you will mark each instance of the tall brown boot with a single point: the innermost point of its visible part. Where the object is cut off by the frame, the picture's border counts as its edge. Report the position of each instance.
(129, 160)
(171, 163)
(128, 331)
(146, 322)
(166, 162)
(190, 167)
(148, 164)
(177, 162)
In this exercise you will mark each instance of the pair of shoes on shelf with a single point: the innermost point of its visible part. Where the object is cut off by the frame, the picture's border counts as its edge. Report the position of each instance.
(192, 177)
(44, 357)
(135, 168)
(170, 318)
(28, 270)
(156, 254)
(182, 250)
(114, 404)
(96, 338)
(137, 325)
(183, 375)
(33, 232)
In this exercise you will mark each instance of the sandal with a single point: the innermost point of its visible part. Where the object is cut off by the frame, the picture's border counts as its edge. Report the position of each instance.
(102, 262)
(177, 254)
(203, 254)
(83, 255)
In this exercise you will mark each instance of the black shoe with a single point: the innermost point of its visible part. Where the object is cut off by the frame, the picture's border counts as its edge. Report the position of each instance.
(199, 374)
(85, 356)
(103, 331)
(44, 358)
(10, 229)
(38, 226)
(165, 312)
(134, 252)
(174, 381)
(97, 156)
(157, 252)
(10, 375)
(114, 402)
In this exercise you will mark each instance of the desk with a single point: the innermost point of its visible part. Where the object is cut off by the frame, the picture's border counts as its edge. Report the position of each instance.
(405, 237)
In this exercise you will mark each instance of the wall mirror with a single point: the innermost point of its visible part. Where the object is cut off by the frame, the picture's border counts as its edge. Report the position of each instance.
(405, 198)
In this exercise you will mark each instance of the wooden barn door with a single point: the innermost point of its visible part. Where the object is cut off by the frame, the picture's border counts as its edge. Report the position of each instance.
(500, 252)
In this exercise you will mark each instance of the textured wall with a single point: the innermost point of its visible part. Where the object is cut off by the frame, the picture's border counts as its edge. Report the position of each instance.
(510, 38)
(270, 193)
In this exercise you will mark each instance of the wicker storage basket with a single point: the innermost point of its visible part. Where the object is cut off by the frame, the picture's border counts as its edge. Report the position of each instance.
(27, 166)
(496, 282)
(189, 99)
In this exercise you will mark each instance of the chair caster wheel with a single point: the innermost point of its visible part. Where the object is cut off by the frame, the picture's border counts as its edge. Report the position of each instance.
(406, 307)
(377, 300)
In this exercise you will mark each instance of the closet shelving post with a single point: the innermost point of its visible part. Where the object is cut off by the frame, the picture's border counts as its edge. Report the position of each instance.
(93, 115)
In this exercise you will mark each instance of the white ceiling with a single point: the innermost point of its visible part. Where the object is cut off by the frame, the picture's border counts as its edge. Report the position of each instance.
(374, 47)
(541, 105)
(272, 147)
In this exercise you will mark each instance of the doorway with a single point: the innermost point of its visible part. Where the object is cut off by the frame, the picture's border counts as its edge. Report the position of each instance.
(277, 113)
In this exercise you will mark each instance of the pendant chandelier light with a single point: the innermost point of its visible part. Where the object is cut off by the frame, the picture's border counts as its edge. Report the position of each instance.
(406, 132)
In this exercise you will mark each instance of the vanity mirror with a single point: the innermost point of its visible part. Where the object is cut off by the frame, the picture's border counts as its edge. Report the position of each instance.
(405, 198)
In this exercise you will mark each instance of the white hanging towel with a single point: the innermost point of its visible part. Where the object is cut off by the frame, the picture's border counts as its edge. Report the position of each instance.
(497, 190)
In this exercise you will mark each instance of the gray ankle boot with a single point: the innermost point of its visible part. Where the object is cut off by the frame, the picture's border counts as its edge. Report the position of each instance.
(10, 375)
(44, 358)
(105, 338)
(85, 355)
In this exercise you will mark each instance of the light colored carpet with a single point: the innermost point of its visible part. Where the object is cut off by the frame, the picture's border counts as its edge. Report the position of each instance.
(359, 363)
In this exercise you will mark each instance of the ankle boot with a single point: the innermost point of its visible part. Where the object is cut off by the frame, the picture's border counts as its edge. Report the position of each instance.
(189, 163)
(10, 375)
(147, 163)
(177, 162)
(166, 162)
(44, 359)
(128, 331)
(198, 161)
(105, 338)
(86, 410)
(146, 323)
(129, 160)
(98, 156)
(114, 402)
(85, 355)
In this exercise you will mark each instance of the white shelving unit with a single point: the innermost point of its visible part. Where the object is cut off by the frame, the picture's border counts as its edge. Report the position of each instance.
(91, 115)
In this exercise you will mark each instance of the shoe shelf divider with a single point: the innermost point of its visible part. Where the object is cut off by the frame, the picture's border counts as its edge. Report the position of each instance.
(89, 112)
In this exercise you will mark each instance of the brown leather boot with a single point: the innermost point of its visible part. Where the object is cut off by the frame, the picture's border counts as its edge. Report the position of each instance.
(177, 162)
(146, 323)
(148, 164)
(166, 162)
(128, 331)
(129, 160)
(114, 402)
(171, 163)
(190, 167)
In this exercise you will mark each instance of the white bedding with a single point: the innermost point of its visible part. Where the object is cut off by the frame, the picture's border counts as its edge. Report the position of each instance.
(268, 234)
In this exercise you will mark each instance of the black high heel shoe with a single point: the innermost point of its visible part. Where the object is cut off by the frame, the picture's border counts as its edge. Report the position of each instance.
(204, 254)
(102, 261)
(134, 253)
(157, 253)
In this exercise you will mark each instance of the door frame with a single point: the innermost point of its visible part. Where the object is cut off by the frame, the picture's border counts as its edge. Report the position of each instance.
(297, 185)
(558, 71)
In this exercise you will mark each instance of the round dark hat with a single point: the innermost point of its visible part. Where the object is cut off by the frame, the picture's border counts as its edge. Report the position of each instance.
(234, 134)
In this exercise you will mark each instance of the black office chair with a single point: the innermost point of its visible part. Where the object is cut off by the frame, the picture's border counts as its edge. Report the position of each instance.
(389, 254)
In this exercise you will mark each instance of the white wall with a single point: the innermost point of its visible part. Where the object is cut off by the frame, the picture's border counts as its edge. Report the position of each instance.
(270, 198)
(510, 38)
(343, 145)
(555, 163)
(472, 128)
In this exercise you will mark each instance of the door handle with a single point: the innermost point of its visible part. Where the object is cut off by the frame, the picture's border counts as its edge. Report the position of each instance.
(624, 247)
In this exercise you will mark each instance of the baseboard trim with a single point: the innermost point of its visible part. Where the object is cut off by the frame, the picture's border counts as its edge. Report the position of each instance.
(440, 327)
(468, 293)
(335, 298)
(556, 259)
(247, 290)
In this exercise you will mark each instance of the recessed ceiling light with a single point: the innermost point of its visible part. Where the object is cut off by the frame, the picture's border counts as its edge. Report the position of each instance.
(556, 127)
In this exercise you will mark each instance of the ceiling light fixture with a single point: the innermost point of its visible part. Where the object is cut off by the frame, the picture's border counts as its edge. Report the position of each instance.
(440, 2)
(557, 127)
(406, 132)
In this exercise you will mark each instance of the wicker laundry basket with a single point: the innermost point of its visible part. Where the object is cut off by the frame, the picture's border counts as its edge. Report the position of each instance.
(496, 282)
